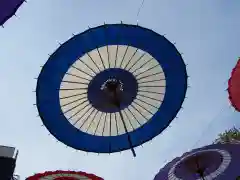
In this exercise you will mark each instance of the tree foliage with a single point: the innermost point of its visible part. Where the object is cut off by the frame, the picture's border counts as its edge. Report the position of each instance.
(229, 135)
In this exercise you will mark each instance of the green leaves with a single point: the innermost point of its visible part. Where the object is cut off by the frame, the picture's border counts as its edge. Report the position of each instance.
(229, 135)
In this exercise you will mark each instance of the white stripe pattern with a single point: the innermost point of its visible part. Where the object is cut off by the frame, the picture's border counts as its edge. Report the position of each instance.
(151, 90)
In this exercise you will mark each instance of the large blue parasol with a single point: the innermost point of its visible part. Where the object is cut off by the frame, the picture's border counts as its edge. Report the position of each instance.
(111, 88)
(8, 8)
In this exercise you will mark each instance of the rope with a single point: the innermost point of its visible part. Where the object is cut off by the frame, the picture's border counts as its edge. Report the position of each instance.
(139, 9)
(210, 125)
(207, 128)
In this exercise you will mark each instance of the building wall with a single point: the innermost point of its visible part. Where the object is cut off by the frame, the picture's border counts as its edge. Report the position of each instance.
(7, 162)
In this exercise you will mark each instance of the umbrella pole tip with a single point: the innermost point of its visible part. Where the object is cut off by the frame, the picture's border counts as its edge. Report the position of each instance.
(133, 152)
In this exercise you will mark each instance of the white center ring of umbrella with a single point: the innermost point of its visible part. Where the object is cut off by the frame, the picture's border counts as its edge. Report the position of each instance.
(81, 113)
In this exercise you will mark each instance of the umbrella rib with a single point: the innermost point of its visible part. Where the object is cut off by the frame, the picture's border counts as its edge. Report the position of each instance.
(138, 112)
(157, 80)
(142, 65)
(88, 66)
(104, 124)
(129, 120)
(116, 57)
(137, 61)
(110, 128)
(134, 116)
(151, 92)
(73, 115)
(74, 107)
(124, 56)
(130, 59)
(143, 108)
(146, 70)
(76, 100)
(72, 89)
(81, 71)
(92, 120)
(150, 86)
(93, 61)
(74, 75)
(101, 58)
(98, 122)
(116, 122)
(84, 115)
(66, 97)
(149, 97)
(150, 75)
(74, 82)
(147, 103)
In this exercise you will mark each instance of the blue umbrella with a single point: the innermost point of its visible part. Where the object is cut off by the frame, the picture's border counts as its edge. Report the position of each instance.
(111, 88)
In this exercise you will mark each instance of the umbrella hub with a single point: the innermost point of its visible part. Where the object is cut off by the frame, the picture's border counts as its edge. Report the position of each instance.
(112, 85)
(113, 88)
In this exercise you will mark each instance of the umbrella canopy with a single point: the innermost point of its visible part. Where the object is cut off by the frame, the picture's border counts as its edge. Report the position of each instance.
(234, 87)
(217, 161)
(8, 8)
(63, 175)
(111, 88)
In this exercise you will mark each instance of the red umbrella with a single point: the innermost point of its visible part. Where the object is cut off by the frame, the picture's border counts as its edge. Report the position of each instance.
(234, 87)
(64, 175)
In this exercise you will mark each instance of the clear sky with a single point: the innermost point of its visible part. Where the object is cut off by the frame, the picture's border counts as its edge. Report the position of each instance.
(206, 32)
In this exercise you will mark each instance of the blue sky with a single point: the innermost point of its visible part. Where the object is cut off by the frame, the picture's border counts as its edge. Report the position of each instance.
(206, 32)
